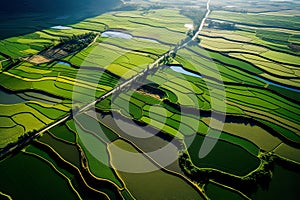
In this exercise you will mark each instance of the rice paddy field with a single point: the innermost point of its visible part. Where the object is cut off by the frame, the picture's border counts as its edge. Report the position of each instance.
(125, 117)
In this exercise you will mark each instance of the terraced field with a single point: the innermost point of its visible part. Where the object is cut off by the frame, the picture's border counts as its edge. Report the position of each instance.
(145, 111)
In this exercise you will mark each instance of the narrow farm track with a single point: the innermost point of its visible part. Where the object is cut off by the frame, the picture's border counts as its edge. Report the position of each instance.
(154, 66)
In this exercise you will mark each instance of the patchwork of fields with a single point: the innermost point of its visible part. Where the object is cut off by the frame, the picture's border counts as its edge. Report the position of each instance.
(238, 91)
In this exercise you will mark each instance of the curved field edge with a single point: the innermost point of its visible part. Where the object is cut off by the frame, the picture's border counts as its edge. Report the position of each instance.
(154, 166)
(61, 190)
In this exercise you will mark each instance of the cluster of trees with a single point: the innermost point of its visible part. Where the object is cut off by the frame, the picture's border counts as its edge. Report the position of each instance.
(76, 42)
(190, 35)
(27, 135)
(233, 9)
(22, 139)
(194, 14)
(199, 175)
(294, 47)
(197, 17)
(221, 25)
(48, 46)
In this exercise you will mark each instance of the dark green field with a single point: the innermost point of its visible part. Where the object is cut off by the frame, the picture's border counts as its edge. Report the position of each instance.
(149, 99)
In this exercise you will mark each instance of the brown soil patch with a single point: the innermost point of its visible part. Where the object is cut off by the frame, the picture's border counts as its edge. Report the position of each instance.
(47, 56)
(146, 93)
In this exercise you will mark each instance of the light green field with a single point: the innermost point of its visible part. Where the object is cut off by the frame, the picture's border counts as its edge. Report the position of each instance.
(118, 61)
(87, 25)
(99, 162)
(228, 46)
(255, 134)
(19, 119)
(59, 81)
(288, 152)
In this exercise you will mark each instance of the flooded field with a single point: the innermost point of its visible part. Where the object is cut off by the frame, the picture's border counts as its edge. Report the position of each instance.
(148, 185)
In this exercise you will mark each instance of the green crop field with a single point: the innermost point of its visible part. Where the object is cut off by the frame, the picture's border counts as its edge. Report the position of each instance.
(44, 171)
(259, 19)
(242, 163)
(215, 191)
(153, 181)
(63, 132)
(152, 100)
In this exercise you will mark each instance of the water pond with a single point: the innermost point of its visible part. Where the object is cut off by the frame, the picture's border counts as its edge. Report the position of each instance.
(181, 70)
(9, 98)
(61, 27)
(115, 34)
(64, 63)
